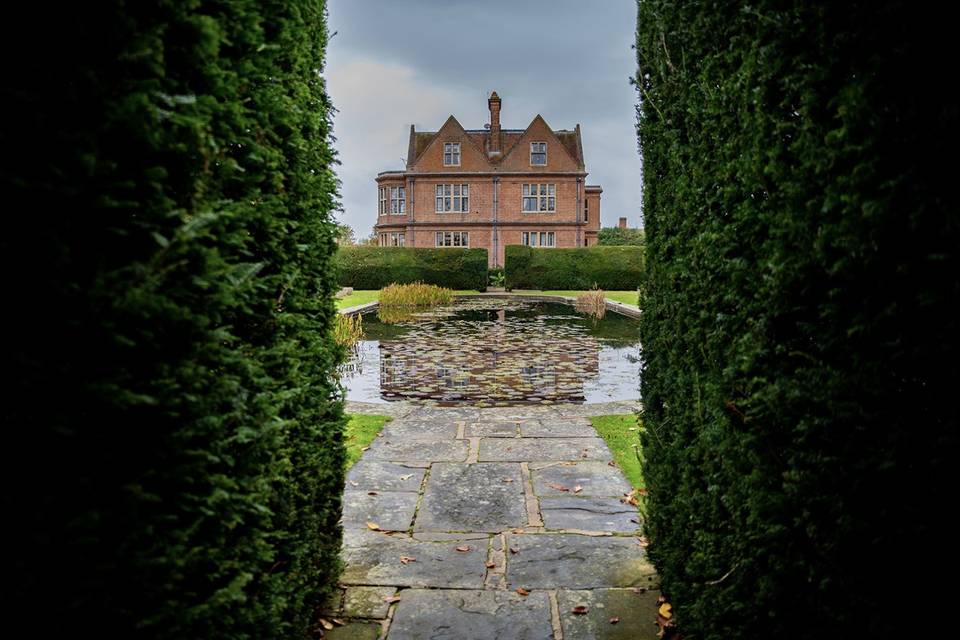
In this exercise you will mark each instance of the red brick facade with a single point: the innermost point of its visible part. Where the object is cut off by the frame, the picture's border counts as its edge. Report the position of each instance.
(504, 172)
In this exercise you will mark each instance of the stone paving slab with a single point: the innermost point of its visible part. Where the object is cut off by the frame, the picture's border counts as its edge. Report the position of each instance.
(471, 615)
(392, 409)
(390, 510)
(517, 413)
(374, 559)
(526, 449)
(588, 513)
(368, 475)
(367, 602)
(558, 428)
(499, 429)
(428, 450)
(420, 430)
(636, 610)
(549, 561)
(485, 497)
(468, 414)
(594, 479)
(355, 630)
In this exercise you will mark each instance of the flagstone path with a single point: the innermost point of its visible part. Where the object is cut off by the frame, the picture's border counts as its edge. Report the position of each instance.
(476, 504)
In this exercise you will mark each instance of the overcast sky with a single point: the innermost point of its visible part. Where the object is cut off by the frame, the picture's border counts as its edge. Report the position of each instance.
(393, 63)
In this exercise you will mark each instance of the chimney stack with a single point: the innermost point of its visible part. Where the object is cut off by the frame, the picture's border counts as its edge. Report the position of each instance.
(494, 104)
(623, 223)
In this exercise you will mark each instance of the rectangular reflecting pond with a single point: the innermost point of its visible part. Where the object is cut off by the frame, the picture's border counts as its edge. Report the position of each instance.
(494, 352)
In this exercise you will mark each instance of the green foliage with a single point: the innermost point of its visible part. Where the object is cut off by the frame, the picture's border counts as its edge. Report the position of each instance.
(497, 277)
(377, 267)
(360, 432)
(614, 268)
(799, 340)
(175, 441)
(620, 431)
(414, 295)
(617, 237)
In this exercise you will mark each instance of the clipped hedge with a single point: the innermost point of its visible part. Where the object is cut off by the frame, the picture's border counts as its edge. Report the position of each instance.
(367, 267)
(609, 268)
(799, 341)
(173, 432)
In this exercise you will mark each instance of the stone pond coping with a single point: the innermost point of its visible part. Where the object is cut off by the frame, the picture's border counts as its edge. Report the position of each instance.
(616, 307)
(406, 408)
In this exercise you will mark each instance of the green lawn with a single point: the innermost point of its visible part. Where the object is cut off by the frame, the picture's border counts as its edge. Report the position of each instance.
(358, 297)
(620, 434)
(365, 296)
(361, 430)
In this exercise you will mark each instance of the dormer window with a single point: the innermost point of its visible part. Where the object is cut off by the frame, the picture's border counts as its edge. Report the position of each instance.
(451, 154)
(538, 154)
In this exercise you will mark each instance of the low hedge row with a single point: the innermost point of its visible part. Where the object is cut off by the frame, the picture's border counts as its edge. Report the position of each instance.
(366, 267)
(610, 268)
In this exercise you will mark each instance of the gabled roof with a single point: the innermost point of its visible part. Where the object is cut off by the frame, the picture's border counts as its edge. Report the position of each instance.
(569, 140)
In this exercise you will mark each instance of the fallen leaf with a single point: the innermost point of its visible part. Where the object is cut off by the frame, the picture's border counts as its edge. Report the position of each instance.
(666, 610)
(508, 479)
(326, 624)
(407, 559)
(514, 550)
(518, 530)
(522, 591)
(641, 492)
(491, 565)
(355, 484)
(580, 610)
(372, 493)
(611, 464)
(614, 620)
(558, 487)
(337, 621)
(577, 489)
(364, 448)
(630, 498)
(406, 477)
(373, 526)
(391, 599)
(463, 548)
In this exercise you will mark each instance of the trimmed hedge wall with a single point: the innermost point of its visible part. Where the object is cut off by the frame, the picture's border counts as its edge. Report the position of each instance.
(799, 341)
(367, 267)
(173, 429)
(609, 268)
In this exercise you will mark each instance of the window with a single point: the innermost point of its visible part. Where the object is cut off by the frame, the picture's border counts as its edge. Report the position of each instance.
(452, 239)
(451, 154)
(453, 197)
(383, 239)
(398, 199)
(397, 239)
(586, 210)
(538, 153)
(539, 238)
(383, 201)
(539, 197)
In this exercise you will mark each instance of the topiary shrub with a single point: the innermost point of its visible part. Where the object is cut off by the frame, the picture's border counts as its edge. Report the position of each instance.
(173, 428)
(376, 267)
(799, 340)
(610, 268)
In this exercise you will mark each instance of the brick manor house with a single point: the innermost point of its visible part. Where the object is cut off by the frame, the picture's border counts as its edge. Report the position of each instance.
(489, 188)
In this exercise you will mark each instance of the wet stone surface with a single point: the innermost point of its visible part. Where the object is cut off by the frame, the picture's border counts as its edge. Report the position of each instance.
(374, 559)
(368, 475)
(524, 449)
(355, 630)
(389, 510)
(409, 450)
(471, 615)
(558, 428)
(588, 513)
(636, 611)
(500, 429)
(406, 429)
(472, 497)
(593, 478)
(550, 561)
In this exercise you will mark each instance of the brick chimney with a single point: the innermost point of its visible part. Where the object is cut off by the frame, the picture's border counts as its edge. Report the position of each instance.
(623, 223)
(494, 104)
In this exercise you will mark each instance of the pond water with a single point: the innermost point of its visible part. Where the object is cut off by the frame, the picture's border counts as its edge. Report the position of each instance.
(495, 352)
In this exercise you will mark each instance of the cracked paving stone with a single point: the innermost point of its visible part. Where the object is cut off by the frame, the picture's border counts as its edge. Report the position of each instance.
(588, 513)
(472, 497)
(407, 450)
(367, 602)
(471, 615)
(390, 510)
(550, 561)
(492, 430)
(637, 611)
(595, 478)
(420, 429)
(368, 475)
(354, 630)
(558, 428)
(373, 558)
(525, 449)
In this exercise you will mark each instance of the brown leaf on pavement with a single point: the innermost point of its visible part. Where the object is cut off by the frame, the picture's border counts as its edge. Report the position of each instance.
(407, 559)
(522, 591)
(614, 620)
(391, 599)
(577, 489)
(463, 548)
(558, 487)
(580, 610)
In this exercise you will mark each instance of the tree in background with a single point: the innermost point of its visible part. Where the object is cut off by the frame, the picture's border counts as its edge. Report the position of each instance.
(799, 333)
(616, 236)
(174, 438)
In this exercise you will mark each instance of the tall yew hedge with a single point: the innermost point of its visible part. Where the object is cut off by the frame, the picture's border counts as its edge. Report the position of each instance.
(799, 337)
(172, 431)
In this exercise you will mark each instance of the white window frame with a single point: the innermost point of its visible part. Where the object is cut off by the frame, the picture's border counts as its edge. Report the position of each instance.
(383, 200)
(456, 239)
(451, 153)
(398, 200)
(397, 239)
(542, 239)
(542, 196)
(538, 148)
(447, 197)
